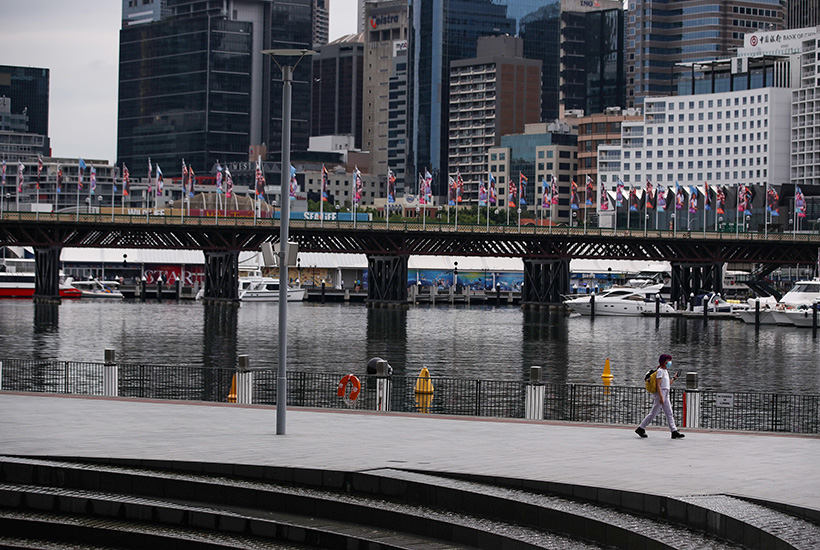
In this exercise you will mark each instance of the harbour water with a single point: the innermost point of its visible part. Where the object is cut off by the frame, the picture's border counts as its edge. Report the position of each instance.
(455, 341)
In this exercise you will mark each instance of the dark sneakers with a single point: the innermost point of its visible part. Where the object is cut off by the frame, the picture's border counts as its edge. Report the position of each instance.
(677, 435)
(641, 432)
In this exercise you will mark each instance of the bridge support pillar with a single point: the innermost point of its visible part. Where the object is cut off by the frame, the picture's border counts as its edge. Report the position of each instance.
(387, 279)
(692, 278)
(221, 276)
(545, 281)
(47, 274)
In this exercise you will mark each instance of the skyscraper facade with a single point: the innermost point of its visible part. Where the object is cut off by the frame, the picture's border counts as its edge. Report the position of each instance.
(336, 105)
(662, 33)
(802, 13)
(385, 57)
(27, 88)
(194, 84)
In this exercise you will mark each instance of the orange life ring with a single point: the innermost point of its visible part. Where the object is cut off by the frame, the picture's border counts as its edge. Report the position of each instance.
(356, 387)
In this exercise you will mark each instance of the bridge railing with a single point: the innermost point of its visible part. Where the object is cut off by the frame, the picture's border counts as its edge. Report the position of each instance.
(626, 405)
(427, 226)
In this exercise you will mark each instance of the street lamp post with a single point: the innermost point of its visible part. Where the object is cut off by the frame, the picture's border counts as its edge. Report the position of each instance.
(287, 66)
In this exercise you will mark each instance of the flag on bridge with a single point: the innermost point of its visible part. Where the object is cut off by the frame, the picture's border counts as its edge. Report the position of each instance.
(92, 188)
(574, 199)
(126, 181)
(590, 192)
(772, 200)
(522, 188)
(512, 192)
(20, 168)
(39, 168)
(59, 178)
(619, 193)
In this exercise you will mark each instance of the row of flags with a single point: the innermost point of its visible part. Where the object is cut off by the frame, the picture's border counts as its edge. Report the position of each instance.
(652, 197)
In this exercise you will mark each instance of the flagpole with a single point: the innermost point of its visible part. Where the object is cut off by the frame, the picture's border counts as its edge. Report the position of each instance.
(737, 205)
(704, 210)
(113, 197)
(78, 195)
(629, 210)
(322, 201)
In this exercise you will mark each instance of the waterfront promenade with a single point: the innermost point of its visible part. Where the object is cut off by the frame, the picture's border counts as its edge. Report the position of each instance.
(773, 467)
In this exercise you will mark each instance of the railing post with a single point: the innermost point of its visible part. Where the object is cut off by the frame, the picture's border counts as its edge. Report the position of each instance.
(244, 381)
(110, 374)
(534, 397)
(66, 378)
(382, 386)
(691, 402)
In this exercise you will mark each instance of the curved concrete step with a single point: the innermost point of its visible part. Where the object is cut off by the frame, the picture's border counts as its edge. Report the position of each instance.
(313, 511)
(472, 510)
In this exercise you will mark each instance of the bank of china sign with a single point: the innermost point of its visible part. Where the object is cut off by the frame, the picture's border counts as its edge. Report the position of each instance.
(776, 42)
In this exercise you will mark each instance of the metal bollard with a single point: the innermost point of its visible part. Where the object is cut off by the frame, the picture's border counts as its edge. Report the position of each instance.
(691, 402)
(534, 396)
(323, 291)
(592, 306)
(111, 374)
(757, 313)
(382, 386)
(244, 381)
(814, 308)
(657, 307)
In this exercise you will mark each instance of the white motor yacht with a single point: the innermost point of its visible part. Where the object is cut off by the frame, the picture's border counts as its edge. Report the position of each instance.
(621, 300)
(788, 310)
(257, 288)
(94, 288)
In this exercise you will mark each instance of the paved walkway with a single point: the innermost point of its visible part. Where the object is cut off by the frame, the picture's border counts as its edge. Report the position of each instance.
(774, 467)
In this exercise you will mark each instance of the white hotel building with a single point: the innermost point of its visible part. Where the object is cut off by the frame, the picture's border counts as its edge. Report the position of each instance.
(805, 116)
(723, 138)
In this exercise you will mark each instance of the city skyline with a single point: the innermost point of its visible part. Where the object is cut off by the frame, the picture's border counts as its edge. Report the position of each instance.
(81, 50)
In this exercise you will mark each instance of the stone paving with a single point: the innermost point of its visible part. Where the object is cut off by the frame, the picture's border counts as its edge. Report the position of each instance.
(773, 467)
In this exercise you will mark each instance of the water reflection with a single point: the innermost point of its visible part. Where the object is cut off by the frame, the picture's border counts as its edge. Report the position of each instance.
(219, 344)
(456, 341)
(46, 318)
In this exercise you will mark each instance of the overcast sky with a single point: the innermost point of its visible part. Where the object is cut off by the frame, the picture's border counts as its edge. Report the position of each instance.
(79, 43)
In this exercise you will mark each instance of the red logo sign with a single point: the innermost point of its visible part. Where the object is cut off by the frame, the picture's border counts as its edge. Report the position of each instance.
(753, 41)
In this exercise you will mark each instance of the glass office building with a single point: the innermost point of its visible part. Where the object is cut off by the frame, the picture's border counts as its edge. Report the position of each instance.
(27, 87)
(194, 85)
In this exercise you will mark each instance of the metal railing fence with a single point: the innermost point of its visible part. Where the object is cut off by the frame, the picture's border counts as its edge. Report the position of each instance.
(624, 405)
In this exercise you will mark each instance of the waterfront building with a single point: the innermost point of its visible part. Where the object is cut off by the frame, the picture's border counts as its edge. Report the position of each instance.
(384, 115)
(24, 97)
(194, 84)
(805, 116)
(496, 93)
(336, 104)
(723, 138)
(543, 150)
(598, 130)
(663, 33)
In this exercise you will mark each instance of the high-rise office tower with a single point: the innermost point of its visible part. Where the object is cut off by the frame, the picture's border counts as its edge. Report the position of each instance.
(496, 93)
(385, 58)
(662, 33)
(592, 57)
(138, 12)
(27, 88)
(321, 22)
(194, 84)
(336, 106)
(802, 13)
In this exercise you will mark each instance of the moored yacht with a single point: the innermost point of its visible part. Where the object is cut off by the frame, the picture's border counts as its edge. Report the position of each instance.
(620, 300)
(258, 288)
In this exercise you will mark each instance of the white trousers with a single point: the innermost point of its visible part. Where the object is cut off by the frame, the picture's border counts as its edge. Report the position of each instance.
(656, 408)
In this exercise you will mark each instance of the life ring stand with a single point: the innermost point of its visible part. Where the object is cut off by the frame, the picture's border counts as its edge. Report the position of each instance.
(355, 388)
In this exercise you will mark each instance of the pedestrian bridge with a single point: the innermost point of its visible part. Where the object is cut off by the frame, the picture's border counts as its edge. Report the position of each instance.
(697, 257)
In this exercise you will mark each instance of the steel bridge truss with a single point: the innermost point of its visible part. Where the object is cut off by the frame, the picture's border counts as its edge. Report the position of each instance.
(546, 254)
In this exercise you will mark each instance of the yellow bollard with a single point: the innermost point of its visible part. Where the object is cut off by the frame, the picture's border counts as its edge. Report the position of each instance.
(424, 391)
(607, 377)
(232, 395)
